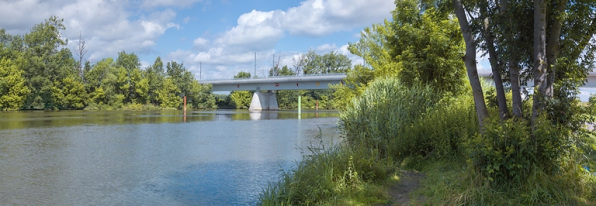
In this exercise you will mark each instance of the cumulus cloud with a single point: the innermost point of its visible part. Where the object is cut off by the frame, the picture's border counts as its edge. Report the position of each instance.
(106, 26)
(320, 17)
(255, 31)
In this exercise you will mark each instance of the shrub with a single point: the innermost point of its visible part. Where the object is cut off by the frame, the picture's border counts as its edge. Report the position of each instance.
(508, 151)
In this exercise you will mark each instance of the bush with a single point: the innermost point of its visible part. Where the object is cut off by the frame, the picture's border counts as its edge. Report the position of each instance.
(508, 151)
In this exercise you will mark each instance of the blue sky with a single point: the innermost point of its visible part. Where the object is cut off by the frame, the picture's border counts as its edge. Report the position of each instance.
(221, 36)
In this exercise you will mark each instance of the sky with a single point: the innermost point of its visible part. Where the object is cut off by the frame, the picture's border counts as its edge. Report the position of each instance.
(214, 39)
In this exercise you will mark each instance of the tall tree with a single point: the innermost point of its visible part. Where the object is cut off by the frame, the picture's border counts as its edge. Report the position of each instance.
(539, 57)
(470, 62)
(155, 77)
(48, 61)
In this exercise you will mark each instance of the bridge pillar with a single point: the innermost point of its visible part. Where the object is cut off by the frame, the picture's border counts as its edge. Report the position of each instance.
(263, 101)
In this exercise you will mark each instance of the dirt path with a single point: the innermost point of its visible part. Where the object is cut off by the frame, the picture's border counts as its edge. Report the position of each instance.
(409, 181)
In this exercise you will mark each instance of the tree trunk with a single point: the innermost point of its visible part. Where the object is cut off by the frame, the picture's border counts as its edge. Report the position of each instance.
(514, 70)
(539, 58)
(516, 99)
(494, 64)
(470, 61)
(552, 48)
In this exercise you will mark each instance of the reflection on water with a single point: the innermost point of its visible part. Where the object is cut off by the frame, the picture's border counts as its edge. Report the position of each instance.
(149, 158)
(31, 119)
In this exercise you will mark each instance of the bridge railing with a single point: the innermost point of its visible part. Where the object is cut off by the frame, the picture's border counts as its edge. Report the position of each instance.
(273, 77)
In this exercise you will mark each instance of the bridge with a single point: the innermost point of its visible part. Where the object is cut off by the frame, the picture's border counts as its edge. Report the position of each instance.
(268, 101)
(277, 83)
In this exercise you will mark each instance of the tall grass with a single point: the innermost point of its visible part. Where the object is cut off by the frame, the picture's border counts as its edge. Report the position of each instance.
(379, 117)
(405, 121)
(335, 176)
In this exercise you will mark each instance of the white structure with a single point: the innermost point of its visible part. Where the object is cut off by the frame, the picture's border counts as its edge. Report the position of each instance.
(277, 83)
(263, 101)
(267, 100)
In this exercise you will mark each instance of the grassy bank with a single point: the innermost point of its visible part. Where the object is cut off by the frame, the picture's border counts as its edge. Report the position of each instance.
(392, 128)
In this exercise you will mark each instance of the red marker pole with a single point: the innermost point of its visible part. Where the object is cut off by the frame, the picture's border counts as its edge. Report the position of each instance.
(184, 105)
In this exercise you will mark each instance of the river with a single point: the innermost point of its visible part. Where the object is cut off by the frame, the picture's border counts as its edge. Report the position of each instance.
(222, 157)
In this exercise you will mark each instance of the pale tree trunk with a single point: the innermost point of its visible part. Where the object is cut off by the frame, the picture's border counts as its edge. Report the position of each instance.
(552, 48)
(494, 64)
(470, 62)
(539, 58)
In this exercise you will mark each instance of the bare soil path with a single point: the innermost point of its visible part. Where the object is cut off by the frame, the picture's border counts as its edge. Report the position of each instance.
(400, 192)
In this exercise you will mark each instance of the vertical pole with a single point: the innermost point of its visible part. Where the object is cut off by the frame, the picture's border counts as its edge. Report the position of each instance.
(299, 102)
(184, 105)
(317, 105)
(255, 63)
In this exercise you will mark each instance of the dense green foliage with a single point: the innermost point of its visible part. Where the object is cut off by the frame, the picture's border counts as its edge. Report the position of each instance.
(38, 72)
(418, 47)
(13, 88)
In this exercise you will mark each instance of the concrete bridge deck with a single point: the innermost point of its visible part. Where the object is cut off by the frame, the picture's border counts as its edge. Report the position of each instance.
(277, 83)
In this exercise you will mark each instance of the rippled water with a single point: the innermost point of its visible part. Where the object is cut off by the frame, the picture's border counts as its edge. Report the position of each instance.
(150, 158)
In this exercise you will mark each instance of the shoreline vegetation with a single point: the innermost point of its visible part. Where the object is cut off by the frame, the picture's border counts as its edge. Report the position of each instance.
(417, 120)
(393, 130)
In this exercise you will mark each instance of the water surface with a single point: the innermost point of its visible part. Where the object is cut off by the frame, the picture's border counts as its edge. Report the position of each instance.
(222, 157)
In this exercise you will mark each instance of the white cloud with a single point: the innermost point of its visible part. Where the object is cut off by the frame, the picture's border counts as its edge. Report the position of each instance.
(255, 31)
(325, 48)
(106, 26)
(201, 44)
(171, 3)
(319, 17)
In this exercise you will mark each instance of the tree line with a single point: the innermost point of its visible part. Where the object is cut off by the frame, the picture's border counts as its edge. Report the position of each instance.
(38, 71)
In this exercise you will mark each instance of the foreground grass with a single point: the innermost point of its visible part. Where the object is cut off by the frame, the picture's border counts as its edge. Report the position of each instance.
(452, 183)
(337, 176)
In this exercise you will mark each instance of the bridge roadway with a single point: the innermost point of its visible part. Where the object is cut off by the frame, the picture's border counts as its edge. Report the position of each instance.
(277, 83)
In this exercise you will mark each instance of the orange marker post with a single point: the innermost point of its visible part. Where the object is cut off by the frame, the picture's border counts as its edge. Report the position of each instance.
(184, 105)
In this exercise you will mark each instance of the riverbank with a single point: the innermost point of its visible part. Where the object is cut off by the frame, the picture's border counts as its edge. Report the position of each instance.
(396, 136)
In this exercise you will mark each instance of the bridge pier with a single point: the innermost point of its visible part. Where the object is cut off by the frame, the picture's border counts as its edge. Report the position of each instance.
(263, 101)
